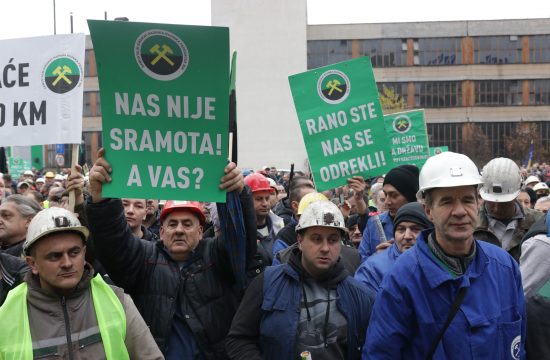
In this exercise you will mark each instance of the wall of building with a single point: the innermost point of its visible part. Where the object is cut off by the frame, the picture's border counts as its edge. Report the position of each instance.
(270, 40)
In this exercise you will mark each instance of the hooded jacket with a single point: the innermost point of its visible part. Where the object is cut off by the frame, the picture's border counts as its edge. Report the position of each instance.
(266, 324)
(53, 319)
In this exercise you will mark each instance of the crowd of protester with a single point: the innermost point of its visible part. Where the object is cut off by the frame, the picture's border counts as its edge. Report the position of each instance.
(447, 261)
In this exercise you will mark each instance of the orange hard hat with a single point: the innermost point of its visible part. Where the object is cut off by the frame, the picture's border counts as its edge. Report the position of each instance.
(173, 205)
(258, 182)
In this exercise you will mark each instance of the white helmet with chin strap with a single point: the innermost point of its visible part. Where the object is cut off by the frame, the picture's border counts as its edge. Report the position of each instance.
(501, 180)
(447, 169)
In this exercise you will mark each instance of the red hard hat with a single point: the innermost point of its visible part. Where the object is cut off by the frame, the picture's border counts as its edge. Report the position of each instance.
(257, 182)
(193, 206)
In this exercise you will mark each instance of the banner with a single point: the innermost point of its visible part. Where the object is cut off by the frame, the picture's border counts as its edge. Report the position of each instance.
(164, 96)
(408, 136)
(342, 122)
(17, 167)
(438, 150)
(41, 90)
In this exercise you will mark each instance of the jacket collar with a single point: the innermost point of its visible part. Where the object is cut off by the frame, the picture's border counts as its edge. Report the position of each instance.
(434, 271)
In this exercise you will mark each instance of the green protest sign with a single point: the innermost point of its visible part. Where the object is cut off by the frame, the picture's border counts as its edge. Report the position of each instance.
(16, 166)
(408, 137)
(342, 122)
(164, 108)
(438, 150)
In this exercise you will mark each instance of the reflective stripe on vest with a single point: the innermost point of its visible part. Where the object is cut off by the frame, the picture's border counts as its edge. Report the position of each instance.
(15, 333)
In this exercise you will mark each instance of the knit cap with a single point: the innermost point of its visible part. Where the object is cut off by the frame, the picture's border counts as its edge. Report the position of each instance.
(405, 179)
(412, 212)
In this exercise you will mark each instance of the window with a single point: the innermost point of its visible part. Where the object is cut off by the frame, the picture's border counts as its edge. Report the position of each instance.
(326, 52)
(445, 134)
(539, 92)
(86, 103)
(497, 92)
(398, 89)
(539, 49)
(497, 50)
(89, 58)
(438, 94)
(439, 51)
(386, 52)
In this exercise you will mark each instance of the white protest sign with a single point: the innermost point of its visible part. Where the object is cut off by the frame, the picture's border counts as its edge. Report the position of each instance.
(41, 90)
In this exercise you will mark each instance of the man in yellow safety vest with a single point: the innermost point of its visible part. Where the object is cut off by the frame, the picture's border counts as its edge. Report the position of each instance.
(61, 309)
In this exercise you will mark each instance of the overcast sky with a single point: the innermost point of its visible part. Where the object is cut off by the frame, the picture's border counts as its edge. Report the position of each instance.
(24, 18)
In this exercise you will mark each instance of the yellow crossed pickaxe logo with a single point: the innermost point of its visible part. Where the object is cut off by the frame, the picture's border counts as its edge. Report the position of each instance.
(161, 54)
(402, 124)
(60, 72)
(333, 85)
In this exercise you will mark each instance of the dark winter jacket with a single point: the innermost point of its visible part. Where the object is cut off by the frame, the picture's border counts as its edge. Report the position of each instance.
(12, 272)
(205, 286)
(266, 324)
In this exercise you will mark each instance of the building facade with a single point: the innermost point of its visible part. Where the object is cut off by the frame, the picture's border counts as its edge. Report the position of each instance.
(485, 85)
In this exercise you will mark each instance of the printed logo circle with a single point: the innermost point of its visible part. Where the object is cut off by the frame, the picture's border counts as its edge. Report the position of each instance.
(402, 124)
(161, 54)
(515, 347)
(333, 86)
(62, 74)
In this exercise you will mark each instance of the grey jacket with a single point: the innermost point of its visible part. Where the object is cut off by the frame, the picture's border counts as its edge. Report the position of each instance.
(483, 233)
(53, 319)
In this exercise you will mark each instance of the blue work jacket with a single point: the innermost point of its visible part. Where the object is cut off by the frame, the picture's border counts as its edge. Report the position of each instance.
(372, 271)
(416, 296)
(371, 235)
(281, 312)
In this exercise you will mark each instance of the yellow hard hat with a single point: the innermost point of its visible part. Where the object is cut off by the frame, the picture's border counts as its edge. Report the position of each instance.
(308, 199)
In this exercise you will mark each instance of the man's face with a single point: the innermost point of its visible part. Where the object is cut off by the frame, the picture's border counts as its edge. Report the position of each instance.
(180, 233)
(135, 211)
(2, 190)
(22, 189)
(13, 226)
(405, 235)
(524, 200)
(501, 211)
(152, 207)
(320, 249)
(262, 203)
(58, 260)
(39, 185)
(453, 212)
(394, 199)
(381, 201)
(355, 235)
(541, 192)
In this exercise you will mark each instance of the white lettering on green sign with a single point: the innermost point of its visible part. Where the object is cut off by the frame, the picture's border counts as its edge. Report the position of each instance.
(176, 106)
(339, 119)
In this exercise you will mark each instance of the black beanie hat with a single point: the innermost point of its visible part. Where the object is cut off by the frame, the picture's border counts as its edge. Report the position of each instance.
(413, 212)
(405, 179)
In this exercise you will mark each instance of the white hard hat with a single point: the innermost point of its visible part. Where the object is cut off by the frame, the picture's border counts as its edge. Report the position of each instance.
(501, 180)
(50, 221)
(447, 169)
(322, 213)
(58, 177)
(540, 186)
(531, 179)
(40, 180)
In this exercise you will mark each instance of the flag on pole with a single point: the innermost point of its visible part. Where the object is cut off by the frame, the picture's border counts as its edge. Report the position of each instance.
(529, 158)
